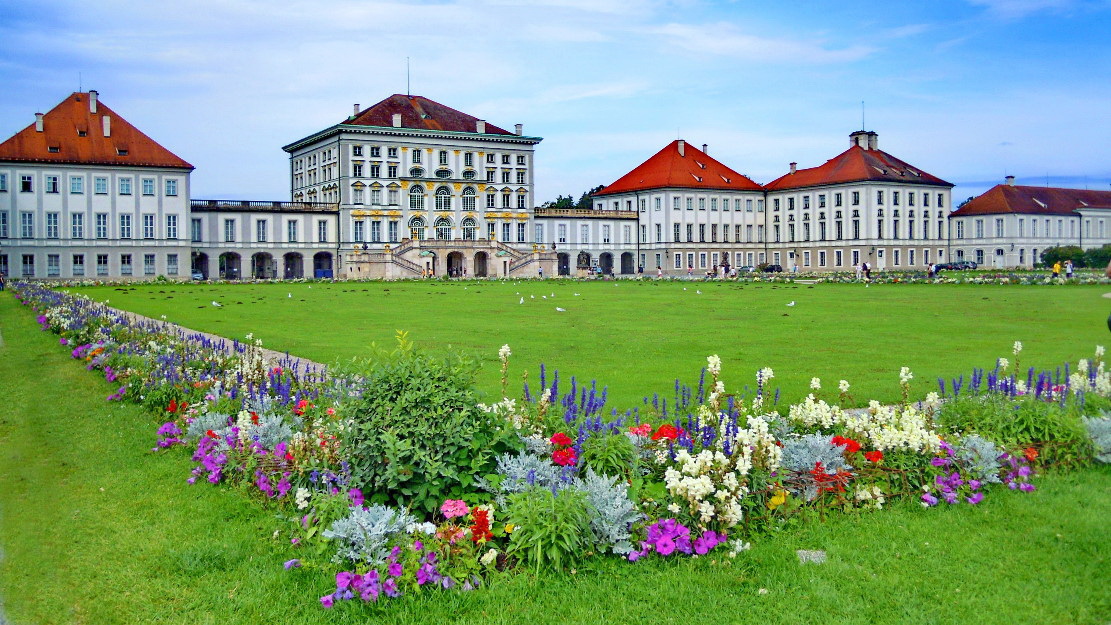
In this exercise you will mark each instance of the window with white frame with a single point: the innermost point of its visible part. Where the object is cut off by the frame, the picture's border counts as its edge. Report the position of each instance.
(506, 232)
(416, 197)
(468, 199)
(359, 232)
(148, 186)
(171, 264)
(77, 265)
(321, 231)
(376, 231)
(51, 184)
(125, 264)
(260, 230)
(539, 233)
(125, 226)
(100, 185)
(443, 199)
(562, 229)
(394, 228)
(3, 183)
(101, 264)
(27, 185)
(125, 186)
(76, 185)
(148, 264)
(77, 225)
(52, 225)
(584, 233)
(148, 226)
(443, 229)
(229, 230)
(522, 232)
(171, 226)
(101, 225)
(605, 233)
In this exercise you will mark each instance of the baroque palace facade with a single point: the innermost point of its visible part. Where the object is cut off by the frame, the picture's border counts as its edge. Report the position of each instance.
(410, 187)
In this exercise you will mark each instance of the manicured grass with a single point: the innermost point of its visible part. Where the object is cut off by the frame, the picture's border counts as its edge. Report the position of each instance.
(636, 337)
(97, 529)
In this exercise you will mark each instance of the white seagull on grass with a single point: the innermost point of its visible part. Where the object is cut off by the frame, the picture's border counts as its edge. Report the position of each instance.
(216, 304)
(792, 303)
(558, 309)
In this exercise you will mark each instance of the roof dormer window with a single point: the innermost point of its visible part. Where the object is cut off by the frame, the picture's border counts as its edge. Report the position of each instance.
(82, 133)
(53, 149)
(121, 151)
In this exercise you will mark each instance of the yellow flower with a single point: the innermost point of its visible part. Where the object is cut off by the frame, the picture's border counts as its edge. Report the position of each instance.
(509, 527)
(777, 499)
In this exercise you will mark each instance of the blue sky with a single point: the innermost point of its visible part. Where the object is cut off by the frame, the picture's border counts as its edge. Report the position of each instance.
(967, 90)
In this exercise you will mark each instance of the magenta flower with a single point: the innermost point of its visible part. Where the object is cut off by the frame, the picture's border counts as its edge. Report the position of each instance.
(356, 496)
(975, 499)
(327, 601)
(343, 579)
(390, 588)
(665, 546)
(453, 508)
(292, 564)
(395, 569)
(929, 499)
(1026, 487)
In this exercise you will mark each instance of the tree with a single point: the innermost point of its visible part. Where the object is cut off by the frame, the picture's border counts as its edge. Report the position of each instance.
(1052, 255)
(561, 201)
(585, 200)
(1098, 256)
(961, 205)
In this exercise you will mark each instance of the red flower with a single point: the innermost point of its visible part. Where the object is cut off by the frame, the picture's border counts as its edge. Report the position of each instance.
(1031, 454)
(254, 418)
(211, 434)
(849, 444)
(173, 406)
(873, 456)
(565, 457)
(643, 429)
(667, 431)
(480, 530)
(560, 440)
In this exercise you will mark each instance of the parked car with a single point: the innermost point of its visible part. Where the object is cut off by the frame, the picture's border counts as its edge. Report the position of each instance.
(197, 275)
(746, 269)
(773, 268)
(960, 265)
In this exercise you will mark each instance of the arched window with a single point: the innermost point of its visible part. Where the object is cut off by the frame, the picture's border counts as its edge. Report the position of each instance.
(416, 172)
(470, 227)
(416, 198)
(443, 228)
(416, 228)
(468, 199)
(443, 199)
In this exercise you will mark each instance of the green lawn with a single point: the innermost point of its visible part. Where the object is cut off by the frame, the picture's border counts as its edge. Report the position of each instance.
(97, 529)
(637, 337)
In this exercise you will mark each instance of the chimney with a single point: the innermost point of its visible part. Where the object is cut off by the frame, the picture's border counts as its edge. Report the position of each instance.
(704, 146)
(794, 166)
(518, 129)
(682, 148)
(38, 122)
(873, 141)
(107, 121)
(356, 113)
(1010, 181)
(480, 126)
(92, 100)
(397, 120)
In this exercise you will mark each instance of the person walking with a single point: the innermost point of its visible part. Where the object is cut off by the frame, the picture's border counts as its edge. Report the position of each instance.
(1068, 269)
(857, 270)
(2, 278)
(867, 269)
(541, 269)
(1057, 269)
(659, 272)
(690, 272)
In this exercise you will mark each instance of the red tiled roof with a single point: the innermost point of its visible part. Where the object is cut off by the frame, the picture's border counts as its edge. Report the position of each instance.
(61, 130)
(1004, 198)
(421, 113)
(856, 165)
(694, 169)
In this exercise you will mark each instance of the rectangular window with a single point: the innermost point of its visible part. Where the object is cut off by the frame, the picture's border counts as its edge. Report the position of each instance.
(584, 234)
(125, 186)
(53, 265)
(321, 232)
(605, 233)
(78, 265)
(522, 232)
(837, 258)
(894, 198)
(856, 198)
(171, 187)
(101, 264)
(27, 185)
(506, 231)
(391, 172)
(148, 264)
(999, 227)
(77, 225)
(910, 198)
(125, 264)
(356, 150)
(148, 186)
(3, 183)
(879, 197)
(100, 186)
(521, 201)
(714, 234)
(468, 159)
(416, 156)
(910, 257)
(896, 256)
(148, 226)
(960, 229)
(940, 200)
(125, 226)
(229, 231)
(77, 185)
(539, 233)
(28, 265)
(678, 261)
(171, 226)
(52, 225)
(171, 264)
(505, 177)
(702, 233)
(357, 170)
(702, 260)
(260, 230)
(102, 225)
(521, 175)
(393, 228)
(391, 152)
(980, 228)
(376, 231)
(359, 232)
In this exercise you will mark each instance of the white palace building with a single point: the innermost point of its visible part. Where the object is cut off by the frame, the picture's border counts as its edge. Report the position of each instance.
(410, 187)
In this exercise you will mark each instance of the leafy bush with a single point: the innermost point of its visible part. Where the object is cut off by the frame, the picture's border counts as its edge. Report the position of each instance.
(553, 529)
(517, 473)
(417, 436)
(364, 536)
(612, 513)
(1099, 429)
(979, 458)
(803, 455)
(1057, 430)
(609, 454)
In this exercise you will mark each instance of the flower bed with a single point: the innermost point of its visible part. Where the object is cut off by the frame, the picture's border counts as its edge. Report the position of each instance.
(391, 473)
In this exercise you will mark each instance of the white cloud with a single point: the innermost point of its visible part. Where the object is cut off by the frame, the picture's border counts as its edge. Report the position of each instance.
(1015, 9)
(725, 39)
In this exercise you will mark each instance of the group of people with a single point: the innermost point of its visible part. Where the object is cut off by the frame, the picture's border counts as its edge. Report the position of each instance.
(1068, 269)
(863, 269)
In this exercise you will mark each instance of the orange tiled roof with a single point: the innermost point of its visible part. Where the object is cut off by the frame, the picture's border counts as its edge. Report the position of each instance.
(421, 113)
(856, 165)
(61, 140)
(1003, 198)
(694, 169)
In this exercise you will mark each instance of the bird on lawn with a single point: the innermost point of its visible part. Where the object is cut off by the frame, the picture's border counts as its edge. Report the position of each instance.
(576, 294)
(522, 301)
(792, 303)
(544, 296)
(532, 297)
(699, 291)
(216, 304)
(558, 309)
(289, 294)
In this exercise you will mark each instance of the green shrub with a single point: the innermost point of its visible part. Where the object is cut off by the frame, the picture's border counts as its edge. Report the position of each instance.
(418, 436)
(609, 454)
(1054, 429)
(552, 530)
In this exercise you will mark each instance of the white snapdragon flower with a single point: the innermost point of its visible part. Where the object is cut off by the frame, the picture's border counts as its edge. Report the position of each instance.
(673, 508)
(905, 376)
(843, 386)
(302, 498)
(1099, 351)
(1004, 364)
(488, 558)
(815, 384)
(765, 374)
(713, 364)
(504, 352)
(1017, 348)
